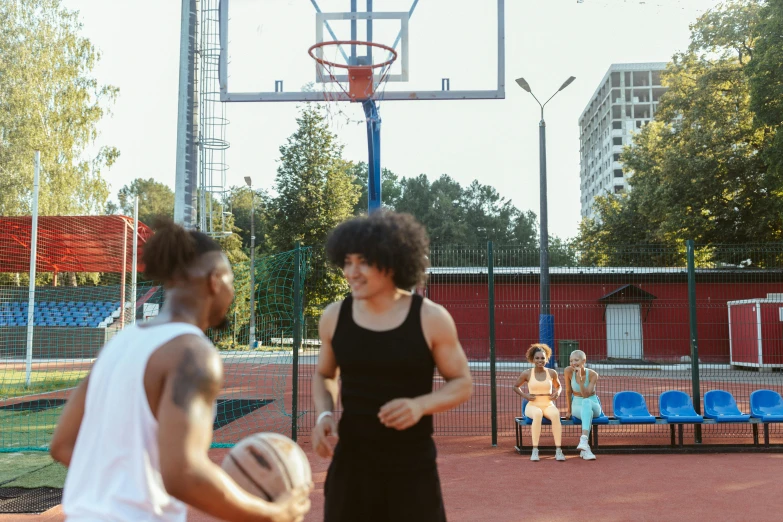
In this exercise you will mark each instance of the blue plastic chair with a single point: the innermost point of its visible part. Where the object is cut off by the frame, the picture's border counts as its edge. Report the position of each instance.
(677, 408)
(721, 406)
(630, 408)
(766, 405)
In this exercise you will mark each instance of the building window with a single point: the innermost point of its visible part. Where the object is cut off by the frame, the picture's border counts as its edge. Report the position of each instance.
(619, 189)
(617, 141)
(618, 173)
(617, 125)
(617, 157)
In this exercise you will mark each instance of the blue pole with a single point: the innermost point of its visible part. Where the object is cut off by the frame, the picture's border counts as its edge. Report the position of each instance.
(374, 163)
(546, 321)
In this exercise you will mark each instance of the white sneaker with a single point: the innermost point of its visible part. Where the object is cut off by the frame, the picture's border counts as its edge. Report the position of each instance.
(583, 444)
(559, 455)
(587, 454)
(534, 455)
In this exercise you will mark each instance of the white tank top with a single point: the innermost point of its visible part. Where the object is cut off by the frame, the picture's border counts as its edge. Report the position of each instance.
(115, 468)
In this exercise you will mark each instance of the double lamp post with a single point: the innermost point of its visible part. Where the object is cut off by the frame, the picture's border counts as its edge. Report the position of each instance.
(546, 321)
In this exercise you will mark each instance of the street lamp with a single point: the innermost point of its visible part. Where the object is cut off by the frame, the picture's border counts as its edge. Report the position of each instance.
(546, 321)
(252, 263)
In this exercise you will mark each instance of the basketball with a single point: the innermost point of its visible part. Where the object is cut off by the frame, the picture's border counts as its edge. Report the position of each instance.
(268, 465)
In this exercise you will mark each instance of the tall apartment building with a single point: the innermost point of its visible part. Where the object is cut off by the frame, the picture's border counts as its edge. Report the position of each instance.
(624, 101)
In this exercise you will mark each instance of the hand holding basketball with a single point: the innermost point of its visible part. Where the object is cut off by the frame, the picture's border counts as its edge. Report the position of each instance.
(293, 506)
(400, 414)
(326, 427)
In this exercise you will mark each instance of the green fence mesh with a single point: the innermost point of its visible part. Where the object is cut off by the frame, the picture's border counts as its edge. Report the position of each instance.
(628, 308)
(259, 384)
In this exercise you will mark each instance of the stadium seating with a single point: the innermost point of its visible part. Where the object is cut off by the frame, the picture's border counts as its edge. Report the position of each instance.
(721, 406)
(630, 408)
(88, 314)
(677, 408)
(766, 405)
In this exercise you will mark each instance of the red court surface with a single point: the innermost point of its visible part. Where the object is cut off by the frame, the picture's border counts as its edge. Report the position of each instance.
(481, 483)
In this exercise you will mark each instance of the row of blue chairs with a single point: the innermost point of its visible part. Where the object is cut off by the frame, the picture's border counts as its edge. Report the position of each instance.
(17, 306)
(71, 322)
(676, 408)
(59, 313)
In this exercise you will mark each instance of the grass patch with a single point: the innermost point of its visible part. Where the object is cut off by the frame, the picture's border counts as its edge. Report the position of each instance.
(27, 429)
(30, 470)
(13, 382)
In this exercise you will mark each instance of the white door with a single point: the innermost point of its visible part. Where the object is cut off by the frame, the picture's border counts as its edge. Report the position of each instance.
(624, 331)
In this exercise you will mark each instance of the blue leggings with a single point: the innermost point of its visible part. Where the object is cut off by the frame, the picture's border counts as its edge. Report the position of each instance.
(586, 410)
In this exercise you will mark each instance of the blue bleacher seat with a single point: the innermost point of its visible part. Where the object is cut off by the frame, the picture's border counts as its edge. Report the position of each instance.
(629, 407)
(766, 405)
(677, 408)
(721, 406)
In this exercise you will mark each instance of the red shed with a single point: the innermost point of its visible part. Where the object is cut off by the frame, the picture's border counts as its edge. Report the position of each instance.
(611, 313)
(756, 332)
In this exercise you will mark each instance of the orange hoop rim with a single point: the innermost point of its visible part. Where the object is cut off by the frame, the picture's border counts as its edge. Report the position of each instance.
(352, 67)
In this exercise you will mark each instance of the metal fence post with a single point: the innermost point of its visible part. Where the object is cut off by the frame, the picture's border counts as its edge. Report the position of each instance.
(297, 342)
(492, 372)
(690, 245)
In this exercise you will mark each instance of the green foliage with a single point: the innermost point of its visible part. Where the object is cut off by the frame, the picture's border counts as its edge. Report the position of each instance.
(391, 190)
(315, 192)
(155, 199)
(240, 202)
(765, 72)
(49, 101)
(700, 170)
(472, 215)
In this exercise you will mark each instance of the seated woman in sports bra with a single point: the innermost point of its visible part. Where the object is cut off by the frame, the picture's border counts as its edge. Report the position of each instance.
(581, 398)
(543, 386)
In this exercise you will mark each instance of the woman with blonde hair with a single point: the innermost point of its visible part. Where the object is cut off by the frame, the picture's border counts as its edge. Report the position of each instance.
(581, 398)
(543, 386)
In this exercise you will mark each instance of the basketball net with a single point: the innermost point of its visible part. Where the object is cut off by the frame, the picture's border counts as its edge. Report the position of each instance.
(363, 83)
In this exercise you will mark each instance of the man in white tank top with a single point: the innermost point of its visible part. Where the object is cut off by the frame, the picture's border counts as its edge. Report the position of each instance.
(136, 432)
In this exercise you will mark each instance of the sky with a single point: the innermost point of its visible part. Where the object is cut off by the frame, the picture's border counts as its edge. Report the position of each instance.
(494, 141)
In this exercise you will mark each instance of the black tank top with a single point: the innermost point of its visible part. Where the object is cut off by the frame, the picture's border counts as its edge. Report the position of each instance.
(377, 367)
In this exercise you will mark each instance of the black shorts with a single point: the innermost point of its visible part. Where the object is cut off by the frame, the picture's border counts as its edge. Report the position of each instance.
(360, 489)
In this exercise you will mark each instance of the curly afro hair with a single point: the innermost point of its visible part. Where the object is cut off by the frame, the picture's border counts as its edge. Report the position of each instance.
(534, 348)
(387, 240)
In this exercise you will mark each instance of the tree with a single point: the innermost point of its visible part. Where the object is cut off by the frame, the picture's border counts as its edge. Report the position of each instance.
(240, 202)
(391, 189)
(155, 199)
(49, 101)
(315, 192)
(699, 170)
(765, 72)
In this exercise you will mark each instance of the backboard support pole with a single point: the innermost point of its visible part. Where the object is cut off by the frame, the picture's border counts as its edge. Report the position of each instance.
(374, 157)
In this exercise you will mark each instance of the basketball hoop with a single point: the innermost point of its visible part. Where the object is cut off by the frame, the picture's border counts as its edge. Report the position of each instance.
(360, 77)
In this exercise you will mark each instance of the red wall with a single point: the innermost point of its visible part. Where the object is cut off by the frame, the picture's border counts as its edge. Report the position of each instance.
(579, 316)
